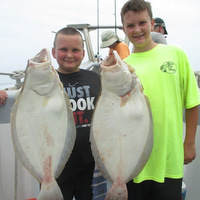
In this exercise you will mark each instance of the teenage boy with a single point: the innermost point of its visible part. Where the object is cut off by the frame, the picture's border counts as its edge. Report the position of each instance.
(170, 85)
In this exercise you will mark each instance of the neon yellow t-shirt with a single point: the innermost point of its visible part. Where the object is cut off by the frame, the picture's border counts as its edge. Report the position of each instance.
(170, 85)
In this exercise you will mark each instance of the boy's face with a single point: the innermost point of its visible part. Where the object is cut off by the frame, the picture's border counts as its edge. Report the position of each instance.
(68, 52)
(137, 26)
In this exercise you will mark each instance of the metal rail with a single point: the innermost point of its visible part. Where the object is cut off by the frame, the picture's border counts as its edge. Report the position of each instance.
(85, 28)
(17, 76)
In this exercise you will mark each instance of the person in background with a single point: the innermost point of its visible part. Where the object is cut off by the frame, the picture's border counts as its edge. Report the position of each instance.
(169, 83)
(83, 88)
(3, 97)
(112, 41)
(159, 31)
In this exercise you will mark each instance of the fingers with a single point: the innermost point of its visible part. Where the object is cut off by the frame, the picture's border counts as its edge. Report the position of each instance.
(3, 97)
(188, 161)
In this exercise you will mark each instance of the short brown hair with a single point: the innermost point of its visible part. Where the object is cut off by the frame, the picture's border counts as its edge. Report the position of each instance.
(68, 31)
(136, 6)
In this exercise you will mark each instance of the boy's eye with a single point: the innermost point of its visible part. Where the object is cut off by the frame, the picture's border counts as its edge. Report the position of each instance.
(76, 50)
(142, 23)
(130, 26)
(63, 49)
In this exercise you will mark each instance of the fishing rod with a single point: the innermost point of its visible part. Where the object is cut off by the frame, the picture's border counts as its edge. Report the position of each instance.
(115, 5)
(98, 30)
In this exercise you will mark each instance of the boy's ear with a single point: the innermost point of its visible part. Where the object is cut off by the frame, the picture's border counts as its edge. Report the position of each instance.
(53, 52)
(152, 24)
(123, 30)
(83, 53)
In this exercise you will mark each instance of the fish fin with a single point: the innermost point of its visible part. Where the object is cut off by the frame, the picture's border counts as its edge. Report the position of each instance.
(148, 147)
(131, 69)
(50, 191)
(148, 105)
(118, 191)
(17, 96)
(67, 100)
(141, 89)
(43, 89)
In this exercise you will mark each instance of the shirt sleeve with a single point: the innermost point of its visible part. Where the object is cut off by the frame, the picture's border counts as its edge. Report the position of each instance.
(122, 49)
(158, 38)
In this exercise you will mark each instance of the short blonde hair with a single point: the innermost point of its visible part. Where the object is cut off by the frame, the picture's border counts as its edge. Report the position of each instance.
(68, 31)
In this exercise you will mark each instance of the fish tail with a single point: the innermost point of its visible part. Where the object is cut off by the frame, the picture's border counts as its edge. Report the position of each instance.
(50, 191)
(118, 191)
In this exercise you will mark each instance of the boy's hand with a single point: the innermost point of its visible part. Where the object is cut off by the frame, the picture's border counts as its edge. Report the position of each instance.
(189, 152)
(3, 97)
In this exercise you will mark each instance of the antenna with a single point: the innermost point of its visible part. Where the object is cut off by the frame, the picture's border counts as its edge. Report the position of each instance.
(97, 28)
(115, 5)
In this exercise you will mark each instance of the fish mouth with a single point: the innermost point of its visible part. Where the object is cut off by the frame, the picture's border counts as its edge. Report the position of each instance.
(110, 60)
(40, 60)
(41, 57)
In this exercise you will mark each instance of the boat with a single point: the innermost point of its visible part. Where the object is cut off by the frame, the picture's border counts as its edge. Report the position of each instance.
(15, 181)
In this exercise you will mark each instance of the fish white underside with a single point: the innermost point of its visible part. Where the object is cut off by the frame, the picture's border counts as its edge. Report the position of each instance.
(122, 126)
(40, 125)
(121, 135)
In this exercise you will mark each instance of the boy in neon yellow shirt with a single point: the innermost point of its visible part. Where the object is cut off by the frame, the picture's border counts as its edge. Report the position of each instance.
(170, 85)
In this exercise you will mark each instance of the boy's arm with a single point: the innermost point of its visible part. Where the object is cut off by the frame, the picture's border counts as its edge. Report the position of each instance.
(191, 116)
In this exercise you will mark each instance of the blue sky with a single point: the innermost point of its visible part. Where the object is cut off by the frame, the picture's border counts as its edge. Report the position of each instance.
(26, 26)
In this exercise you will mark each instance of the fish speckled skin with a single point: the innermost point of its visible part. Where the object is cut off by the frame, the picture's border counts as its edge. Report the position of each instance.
(122, 126)
(42, 125)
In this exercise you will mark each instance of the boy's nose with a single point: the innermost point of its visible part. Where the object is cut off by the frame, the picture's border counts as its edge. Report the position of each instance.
(137, 29)
(69, 54)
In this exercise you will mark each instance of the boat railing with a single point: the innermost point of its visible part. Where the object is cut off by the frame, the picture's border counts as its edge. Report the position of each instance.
(197, 75)
(17, 75)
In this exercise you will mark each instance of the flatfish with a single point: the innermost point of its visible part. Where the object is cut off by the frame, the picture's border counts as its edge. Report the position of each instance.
(42, 125)
(122, 126)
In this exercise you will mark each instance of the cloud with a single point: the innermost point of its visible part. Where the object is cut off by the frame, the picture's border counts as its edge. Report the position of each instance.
(26, 26)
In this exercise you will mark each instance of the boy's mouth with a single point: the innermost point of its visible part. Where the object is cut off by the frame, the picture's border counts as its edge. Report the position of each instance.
(138, 36)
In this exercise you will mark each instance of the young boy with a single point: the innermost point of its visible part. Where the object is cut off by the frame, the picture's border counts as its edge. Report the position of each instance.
(83, 88)
(170, 85)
